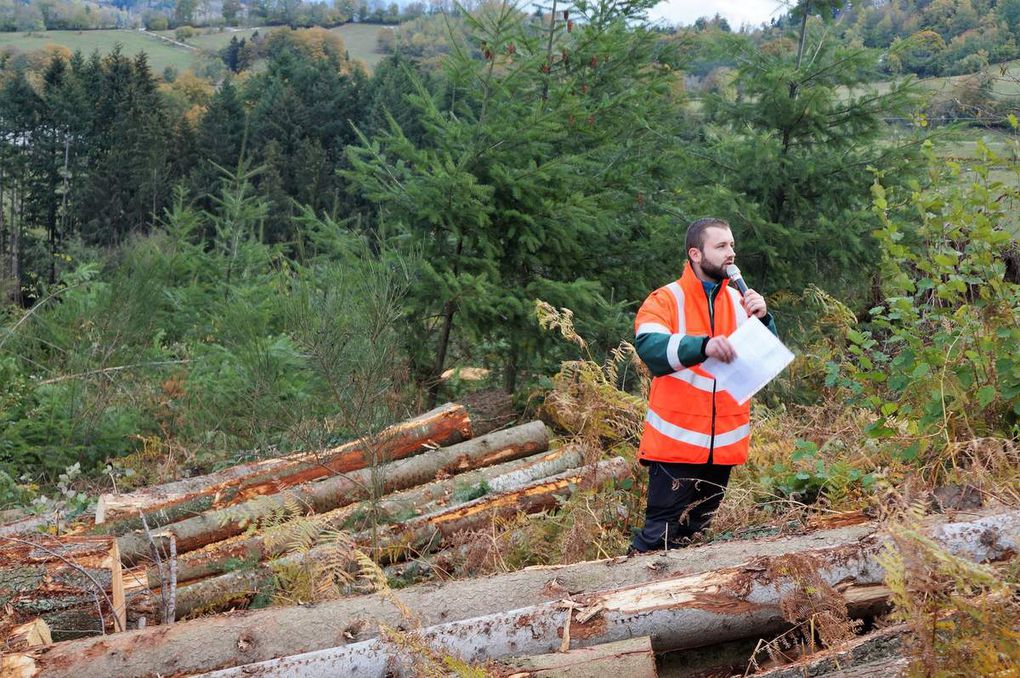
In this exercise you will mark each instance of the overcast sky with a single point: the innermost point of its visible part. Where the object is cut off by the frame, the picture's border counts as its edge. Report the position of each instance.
(737, 12)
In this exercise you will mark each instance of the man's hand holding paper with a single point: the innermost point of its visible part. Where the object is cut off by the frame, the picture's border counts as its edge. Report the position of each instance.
(757, 357)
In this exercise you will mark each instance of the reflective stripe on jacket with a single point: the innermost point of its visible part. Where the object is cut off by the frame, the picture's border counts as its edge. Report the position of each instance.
(688, 420)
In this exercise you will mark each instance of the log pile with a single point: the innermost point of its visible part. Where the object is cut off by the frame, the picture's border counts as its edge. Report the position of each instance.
(203, 544)
(406, 492)
(73, 584)
(681, 600)
(169, 503)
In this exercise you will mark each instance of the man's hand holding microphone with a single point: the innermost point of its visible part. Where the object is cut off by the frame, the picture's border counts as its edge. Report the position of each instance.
(720, 347)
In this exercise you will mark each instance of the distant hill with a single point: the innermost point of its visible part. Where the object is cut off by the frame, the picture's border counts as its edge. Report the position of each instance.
(929, 37)
(164, 51)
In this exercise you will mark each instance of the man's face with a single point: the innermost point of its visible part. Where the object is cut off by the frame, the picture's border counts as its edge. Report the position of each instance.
(716, 253)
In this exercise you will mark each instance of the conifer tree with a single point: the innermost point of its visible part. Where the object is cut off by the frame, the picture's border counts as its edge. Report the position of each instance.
(538, 176)
(20, 113)
(790, 158)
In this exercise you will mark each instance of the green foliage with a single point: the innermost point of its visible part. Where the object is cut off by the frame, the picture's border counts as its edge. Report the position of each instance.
(538, 156)
(788, 160)
(210, 345)
(811, 473)
(930, 38)
(938, 361)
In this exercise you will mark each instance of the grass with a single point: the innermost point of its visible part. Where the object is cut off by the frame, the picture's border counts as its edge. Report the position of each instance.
(161, 54)
(961, 146)
(1005, 76)
(360, 40)
(215, 39)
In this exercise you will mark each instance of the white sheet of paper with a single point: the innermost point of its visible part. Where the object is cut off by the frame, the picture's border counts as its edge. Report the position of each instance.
(760, 357)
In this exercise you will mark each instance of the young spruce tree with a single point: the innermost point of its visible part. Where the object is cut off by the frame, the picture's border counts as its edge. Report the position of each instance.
(537, 176)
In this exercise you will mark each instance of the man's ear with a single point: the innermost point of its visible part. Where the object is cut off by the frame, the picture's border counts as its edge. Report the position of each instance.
(694, 254)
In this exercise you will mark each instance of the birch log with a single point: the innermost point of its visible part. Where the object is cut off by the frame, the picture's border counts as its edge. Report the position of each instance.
(73, 583)
(117, 514)
(340, 490)
(248, 637)
(679, 613)
(632, 658)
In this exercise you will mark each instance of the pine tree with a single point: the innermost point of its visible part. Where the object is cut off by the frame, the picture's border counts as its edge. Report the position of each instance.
(220, 139)
(20, 114)
(129, 184)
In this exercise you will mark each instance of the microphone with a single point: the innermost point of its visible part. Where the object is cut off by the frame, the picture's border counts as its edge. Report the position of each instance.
(733, 273)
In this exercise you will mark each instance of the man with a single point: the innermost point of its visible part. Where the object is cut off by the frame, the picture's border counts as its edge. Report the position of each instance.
(694, 433)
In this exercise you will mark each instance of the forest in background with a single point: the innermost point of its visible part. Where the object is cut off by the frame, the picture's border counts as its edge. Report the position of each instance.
(200, 271)
(156, 236)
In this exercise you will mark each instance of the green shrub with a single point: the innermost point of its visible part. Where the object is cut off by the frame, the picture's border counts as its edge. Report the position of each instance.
(938, 361)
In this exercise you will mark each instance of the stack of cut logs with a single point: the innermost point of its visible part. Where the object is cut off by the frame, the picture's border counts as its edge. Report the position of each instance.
(187, 552)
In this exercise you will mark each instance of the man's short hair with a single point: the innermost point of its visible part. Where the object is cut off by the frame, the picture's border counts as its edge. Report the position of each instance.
(696, 232)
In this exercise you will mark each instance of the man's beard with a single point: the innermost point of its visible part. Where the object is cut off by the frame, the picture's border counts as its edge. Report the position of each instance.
(716, 273)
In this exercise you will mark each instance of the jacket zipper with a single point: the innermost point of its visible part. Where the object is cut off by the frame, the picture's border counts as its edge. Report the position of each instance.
(711, 330)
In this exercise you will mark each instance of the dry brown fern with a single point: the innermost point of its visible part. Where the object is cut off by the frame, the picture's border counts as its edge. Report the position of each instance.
(964, 615)
(814, 604)
(586, 399)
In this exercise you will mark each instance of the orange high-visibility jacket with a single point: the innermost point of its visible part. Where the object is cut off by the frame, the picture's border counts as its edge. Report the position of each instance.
(688, 419)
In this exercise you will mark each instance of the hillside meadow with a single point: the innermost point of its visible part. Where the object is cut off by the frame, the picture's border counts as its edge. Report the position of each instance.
(161, 53)
(360, 40)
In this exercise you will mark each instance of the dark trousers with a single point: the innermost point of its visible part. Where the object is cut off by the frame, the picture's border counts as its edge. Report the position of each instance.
(681, 501)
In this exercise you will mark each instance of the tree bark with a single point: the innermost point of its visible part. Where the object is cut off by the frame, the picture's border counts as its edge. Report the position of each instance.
(341, 490)
(500, 478)
(219, 558)
(252, 636)
(249, 636)
(687, 611)
(74, 584)
(882, 645)
(393, 542)
(444, 425)
(632, 658)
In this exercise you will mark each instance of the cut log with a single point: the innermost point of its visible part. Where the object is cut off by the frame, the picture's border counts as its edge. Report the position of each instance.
(444, 425)
(16, 665)
(632, 658)
(685, 611)
(256, 635)
(220, 558)
(73, 583)
(248, 636)
(31, 634)
(500, 478)
(341, 490)
(879, 646)
(393, 542)
(24, 525)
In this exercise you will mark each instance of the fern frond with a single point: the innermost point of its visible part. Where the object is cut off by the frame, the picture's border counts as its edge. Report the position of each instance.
(370, 572)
